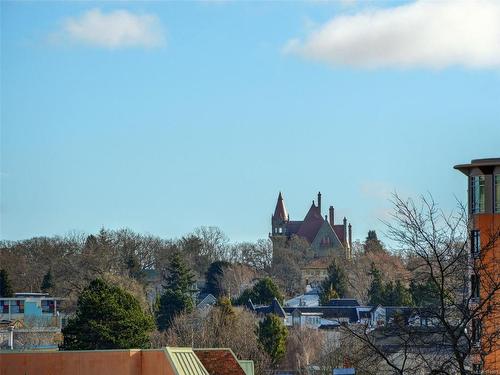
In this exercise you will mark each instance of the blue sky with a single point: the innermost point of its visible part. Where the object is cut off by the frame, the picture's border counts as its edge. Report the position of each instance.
(204, 111)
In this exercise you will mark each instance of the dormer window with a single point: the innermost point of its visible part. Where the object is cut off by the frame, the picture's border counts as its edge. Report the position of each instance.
(478, 194)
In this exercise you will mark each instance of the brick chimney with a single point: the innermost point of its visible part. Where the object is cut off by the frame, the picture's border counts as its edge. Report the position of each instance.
(331, 216)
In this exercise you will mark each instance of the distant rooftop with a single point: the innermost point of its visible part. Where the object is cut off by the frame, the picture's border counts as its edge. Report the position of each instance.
(31, 294)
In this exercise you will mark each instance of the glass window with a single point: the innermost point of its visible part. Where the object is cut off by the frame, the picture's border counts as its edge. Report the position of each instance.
(474, 286)
(478, 198)
(476, 331)
(475, 242)
(497, 193)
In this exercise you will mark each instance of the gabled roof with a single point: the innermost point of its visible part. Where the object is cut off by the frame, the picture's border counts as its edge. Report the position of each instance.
(280, 210)
(326, 230)
(207, 300)
(339, 231)
(219, 361)
(311, 224)
(185, 362)
(274, 308)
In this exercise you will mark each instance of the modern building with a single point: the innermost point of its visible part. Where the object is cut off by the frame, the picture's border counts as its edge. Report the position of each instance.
(30, 306)
(322, 233)
(165, 361)
(484, 211)
(30, 321)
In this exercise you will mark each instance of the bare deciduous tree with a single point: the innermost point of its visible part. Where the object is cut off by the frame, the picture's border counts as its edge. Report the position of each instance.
(218, 327)
(438, 244)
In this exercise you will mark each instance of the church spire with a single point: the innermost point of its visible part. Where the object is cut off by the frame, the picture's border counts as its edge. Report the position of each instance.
(280, 210)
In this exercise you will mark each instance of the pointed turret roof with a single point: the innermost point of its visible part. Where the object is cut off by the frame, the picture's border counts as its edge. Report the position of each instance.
(280, 210)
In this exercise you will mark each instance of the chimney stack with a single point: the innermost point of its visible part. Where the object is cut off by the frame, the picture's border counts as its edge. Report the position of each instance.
(350, 235)
(319, 202)
(345, 231)
(331, 216)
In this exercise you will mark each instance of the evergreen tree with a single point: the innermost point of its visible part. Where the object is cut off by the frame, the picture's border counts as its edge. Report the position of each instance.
(397, 295)
(376, 291)
(5, 286)
(177, 295)
(328, 295)
(134, 267)
(262, 293)
(372, 243)
(272, 335)
(107, 317)
(336, 280)
(426, 294)
(388, 295)
(402, 295)
(47, 282)
(214, 277)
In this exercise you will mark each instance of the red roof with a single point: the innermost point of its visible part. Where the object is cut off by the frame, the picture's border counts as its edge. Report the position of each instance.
(219, 361)
(280, 210)
(311, 224)
(339, 231)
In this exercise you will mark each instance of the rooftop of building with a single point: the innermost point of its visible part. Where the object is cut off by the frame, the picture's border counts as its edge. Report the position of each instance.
(168, 360)
(219, 361)
(478, 163)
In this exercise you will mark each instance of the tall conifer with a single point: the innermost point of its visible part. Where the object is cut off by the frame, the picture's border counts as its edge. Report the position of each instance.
(177, 294)
(5, 286)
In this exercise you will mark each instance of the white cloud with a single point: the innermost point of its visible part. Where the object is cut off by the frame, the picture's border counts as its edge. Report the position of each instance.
(377, 189)
(433, 34)
(117, 29)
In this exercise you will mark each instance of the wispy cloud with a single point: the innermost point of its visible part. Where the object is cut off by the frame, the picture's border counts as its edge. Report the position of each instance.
(117, 29)
(423, 34)
(376, 189)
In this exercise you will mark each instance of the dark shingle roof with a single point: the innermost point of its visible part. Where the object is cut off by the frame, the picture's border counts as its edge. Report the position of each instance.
(343, 302)
(328, 312)
(274, 308)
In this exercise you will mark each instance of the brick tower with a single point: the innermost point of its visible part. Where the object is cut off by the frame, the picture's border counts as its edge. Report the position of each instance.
(484, 213)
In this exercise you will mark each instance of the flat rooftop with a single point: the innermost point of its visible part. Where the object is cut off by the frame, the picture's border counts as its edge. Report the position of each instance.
(478, 163)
